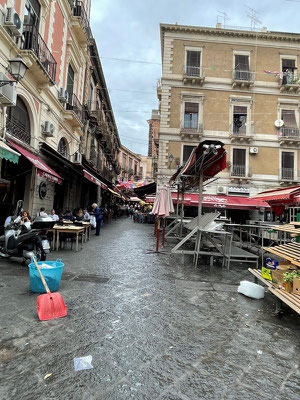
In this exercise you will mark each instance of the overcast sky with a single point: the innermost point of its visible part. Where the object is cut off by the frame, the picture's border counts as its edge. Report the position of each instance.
(129, 30)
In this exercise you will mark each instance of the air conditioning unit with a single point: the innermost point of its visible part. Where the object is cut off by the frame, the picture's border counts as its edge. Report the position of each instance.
(221, 189)
(63, 95)
(77, 158)
(48, 129)
(8, 92)
(13, 22)
(253, 150)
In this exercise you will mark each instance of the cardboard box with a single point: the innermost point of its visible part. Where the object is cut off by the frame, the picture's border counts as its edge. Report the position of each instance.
(277, 277)
(296, 286)
(288, 287)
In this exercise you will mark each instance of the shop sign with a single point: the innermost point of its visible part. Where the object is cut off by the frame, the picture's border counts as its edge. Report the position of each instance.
(238, 189)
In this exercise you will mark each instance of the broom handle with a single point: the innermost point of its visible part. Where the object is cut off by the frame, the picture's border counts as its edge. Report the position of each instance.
(41, 275)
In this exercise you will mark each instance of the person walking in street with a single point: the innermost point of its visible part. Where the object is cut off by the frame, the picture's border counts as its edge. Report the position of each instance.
(98, 215)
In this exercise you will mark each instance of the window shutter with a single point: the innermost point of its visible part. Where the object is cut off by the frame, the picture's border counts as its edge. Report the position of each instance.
(187, 150)
(289, 64)
(289, 118)
(191, 108)
(241, 62)
(193, 58)
(239, 110)
(287, 160)
(239, 157)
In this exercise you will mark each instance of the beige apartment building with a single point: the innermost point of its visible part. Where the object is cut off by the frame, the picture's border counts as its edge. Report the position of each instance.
(240, 87)
(130, 167)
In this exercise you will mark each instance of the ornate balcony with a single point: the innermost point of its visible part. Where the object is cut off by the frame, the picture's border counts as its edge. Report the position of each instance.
(242, 78)
(244, 133)
(240, 173)
(194, 75)
(288, 176)
(192, 129)
(33, 47)
(289, 82)
(17, 130)
(289, 136)
(80, 22)
(74, 112)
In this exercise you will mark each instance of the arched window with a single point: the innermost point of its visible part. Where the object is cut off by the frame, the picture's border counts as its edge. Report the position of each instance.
(18, 121)
(63, 147)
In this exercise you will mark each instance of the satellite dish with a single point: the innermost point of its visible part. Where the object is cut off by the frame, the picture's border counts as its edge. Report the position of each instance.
(279, 123)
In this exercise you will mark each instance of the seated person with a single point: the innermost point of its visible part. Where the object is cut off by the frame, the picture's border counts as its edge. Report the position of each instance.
(54, 216)
(42, 213)
(26, 223)
(68, 215)
(79, 215)
(86, 215)
(25, 214)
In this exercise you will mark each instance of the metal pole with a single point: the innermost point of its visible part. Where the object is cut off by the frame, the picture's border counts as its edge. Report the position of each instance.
(200, 198)
(181, 210)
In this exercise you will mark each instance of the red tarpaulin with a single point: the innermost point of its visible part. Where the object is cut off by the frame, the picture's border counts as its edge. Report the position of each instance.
(233, 202)
(91, 178)
(41, 168)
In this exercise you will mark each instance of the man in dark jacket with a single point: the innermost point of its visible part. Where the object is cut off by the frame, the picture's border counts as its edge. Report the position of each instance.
(98, 215)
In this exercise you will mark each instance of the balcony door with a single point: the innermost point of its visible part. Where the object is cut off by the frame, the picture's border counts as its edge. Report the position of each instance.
(290, 128)
(239, 162)
(193, 59)
(187, 151)
(239, 120)
(191, 112)
(287, 165)
(288, 69)
(70, 84)
(241, 67)
(18, 122)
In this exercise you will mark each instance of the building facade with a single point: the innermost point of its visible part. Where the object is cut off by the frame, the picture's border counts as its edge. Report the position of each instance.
(146, 168)
(73, 153)
(240, 87)
(154, 127)
(130, 165)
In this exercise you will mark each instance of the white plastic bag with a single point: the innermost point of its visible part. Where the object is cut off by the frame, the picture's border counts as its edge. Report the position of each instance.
(81, 363)
(251, 289)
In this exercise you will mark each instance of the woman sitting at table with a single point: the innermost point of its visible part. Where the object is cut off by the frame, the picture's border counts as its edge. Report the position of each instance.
(68, 215)
(79, 215)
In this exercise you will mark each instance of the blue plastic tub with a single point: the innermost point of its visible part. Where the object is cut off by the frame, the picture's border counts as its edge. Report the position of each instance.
(52, 276)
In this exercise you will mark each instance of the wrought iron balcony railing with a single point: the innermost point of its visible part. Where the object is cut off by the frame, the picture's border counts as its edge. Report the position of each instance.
(287, 174)
(79, 11)
(193, 72)
(17, 130)
(243, 75)
(33, 41)
(289, 133)
(74, 105)
(238, 170)
(189, 126)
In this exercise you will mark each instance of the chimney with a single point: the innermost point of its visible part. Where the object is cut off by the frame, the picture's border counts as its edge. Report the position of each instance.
(219, 25)
(264, 29)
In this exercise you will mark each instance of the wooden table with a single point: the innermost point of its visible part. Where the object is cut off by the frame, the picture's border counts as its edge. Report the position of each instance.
(87, 226)
(69, 229)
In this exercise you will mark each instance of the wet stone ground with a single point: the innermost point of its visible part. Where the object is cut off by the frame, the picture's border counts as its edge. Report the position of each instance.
(155, 327)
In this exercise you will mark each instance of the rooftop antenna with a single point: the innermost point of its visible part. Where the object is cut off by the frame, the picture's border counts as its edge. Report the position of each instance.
(224, 16)
(253, 15)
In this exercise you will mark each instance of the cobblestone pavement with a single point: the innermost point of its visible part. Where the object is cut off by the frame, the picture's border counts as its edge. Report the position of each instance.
(155, 327)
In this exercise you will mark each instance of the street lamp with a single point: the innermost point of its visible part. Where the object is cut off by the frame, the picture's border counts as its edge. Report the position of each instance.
(171, 158)
(17, 69)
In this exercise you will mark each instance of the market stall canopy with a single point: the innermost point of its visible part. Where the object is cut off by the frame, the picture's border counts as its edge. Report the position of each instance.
(231, 202)
(146, 189)
(287, 195)
(8, 154)
(93, 179)
(41, 167)
(209, 158)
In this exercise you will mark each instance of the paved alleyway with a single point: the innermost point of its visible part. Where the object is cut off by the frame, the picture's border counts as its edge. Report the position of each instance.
(156, 329)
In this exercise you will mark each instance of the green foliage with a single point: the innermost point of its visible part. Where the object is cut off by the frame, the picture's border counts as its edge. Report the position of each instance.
(289, 276)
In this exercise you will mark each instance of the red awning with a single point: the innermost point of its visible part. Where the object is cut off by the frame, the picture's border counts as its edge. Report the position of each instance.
(91, 178)
(41, 168)
(288, 193)
(233, 202)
